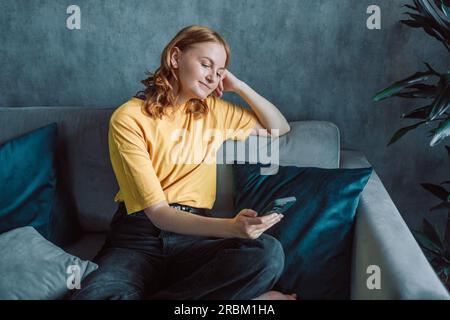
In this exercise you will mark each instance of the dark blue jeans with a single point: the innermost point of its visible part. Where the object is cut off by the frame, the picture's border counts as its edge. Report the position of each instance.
(140, 261)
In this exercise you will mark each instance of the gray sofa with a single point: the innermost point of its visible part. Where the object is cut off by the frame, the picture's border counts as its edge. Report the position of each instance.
(381, 236)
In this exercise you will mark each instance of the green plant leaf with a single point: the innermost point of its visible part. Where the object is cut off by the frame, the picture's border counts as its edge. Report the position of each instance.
(445, 9)
(410, 6)
(431, 132)
(435, 34)
(432, 234)
(401, 132)
(436, 190)
(433, 19)
(420, 91)
(411, 23)
(432, 70)
(442, 132)
(428, 25)
(442, 101)
(425, 242)
(446, 256)
(419, 113)
(398, 86)
(435, 257)
(422, 20)
(442, 205)
(446, 270)
(430, 10)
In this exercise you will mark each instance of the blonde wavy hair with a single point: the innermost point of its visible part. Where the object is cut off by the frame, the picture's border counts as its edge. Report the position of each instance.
(158, 91)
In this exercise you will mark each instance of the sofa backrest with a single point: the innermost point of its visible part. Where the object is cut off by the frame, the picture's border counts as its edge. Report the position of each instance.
(82, 149)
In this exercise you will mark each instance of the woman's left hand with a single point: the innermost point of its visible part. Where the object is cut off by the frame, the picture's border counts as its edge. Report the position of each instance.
(229, 82)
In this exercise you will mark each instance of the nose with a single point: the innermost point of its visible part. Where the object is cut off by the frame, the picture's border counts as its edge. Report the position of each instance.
(210, 78)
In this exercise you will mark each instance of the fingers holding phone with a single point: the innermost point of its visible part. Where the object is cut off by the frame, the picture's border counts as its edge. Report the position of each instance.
(247, 223)
(267, 221)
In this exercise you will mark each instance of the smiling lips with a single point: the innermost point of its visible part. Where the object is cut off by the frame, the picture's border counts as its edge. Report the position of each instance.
(205, 85)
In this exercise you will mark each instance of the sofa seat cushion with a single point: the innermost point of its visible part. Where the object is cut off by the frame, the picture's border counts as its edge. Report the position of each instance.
(88, 245)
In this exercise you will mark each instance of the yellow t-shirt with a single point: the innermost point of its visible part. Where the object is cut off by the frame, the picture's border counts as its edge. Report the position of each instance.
(173, 158)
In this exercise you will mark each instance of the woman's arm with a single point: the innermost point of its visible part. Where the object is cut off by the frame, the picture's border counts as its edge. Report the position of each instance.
(167, 218)
(269, 117)
(246, 224)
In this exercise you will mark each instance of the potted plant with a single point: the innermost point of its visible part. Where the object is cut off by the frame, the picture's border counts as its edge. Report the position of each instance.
(433, 16)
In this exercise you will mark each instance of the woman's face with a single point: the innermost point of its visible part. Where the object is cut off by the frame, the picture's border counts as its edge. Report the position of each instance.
(199, 69)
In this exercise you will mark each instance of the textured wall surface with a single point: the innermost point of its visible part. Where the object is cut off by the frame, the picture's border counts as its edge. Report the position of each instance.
(312, 59)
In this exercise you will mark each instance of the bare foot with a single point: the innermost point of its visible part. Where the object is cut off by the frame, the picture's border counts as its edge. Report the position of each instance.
(276, 295)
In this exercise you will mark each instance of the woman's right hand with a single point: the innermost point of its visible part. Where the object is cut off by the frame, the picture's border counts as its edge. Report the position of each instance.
(247, 224)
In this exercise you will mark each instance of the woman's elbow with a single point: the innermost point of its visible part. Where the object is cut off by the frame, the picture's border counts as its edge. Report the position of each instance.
(156, 213)
(280, 132)
(288, 128)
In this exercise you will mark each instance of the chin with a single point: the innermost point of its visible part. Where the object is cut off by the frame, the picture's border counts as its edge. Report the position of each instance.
(202, 95)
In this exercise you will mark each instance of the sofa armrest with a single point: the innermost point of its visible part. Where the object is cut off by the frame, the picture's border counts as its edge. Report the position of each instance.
(383, 239)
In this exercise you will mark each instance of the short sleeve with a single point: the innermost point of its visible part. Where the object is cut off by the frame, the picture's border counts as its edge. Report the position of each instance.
(238, 121)
(139, 185)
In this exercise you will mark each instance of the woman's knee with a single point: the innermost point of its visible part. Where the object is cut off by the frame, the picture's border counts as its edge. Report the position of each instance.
(268, 254)
(275, 253)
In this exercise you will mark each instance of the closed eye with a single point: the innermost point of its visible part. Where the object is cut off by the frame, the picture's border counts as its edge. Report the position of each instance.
(205, 65)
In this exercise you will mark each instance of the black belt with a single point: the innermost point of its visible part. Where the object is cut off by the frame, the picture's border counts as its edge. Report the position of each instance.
(182, 207)
(190, 209)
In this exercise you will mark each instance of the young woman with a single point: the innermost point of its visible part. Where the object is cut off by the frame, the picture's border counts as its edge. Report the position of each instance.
(163, 243)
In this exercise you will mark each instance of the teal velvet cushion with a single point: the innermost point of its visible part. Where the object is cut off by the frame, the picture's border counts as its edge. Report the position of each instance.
(33, 193)
(28, 180)
(316, 233)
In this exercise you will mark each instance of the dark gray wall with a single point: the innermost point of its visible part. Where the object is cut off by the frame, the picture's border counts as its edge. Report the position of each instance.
(312, 59)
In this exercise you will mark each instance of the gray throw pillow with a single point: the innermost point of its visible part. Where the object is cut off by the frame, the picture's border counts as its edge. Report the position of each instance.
(33, 268)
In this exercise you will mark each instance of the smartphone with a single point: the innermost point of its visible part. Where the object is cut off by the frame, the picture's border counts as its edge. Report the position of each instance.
(280, 205)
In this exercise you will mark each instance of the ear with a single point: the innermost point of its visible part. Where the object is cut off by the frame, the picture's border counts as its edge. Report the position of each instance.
(175, 56)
